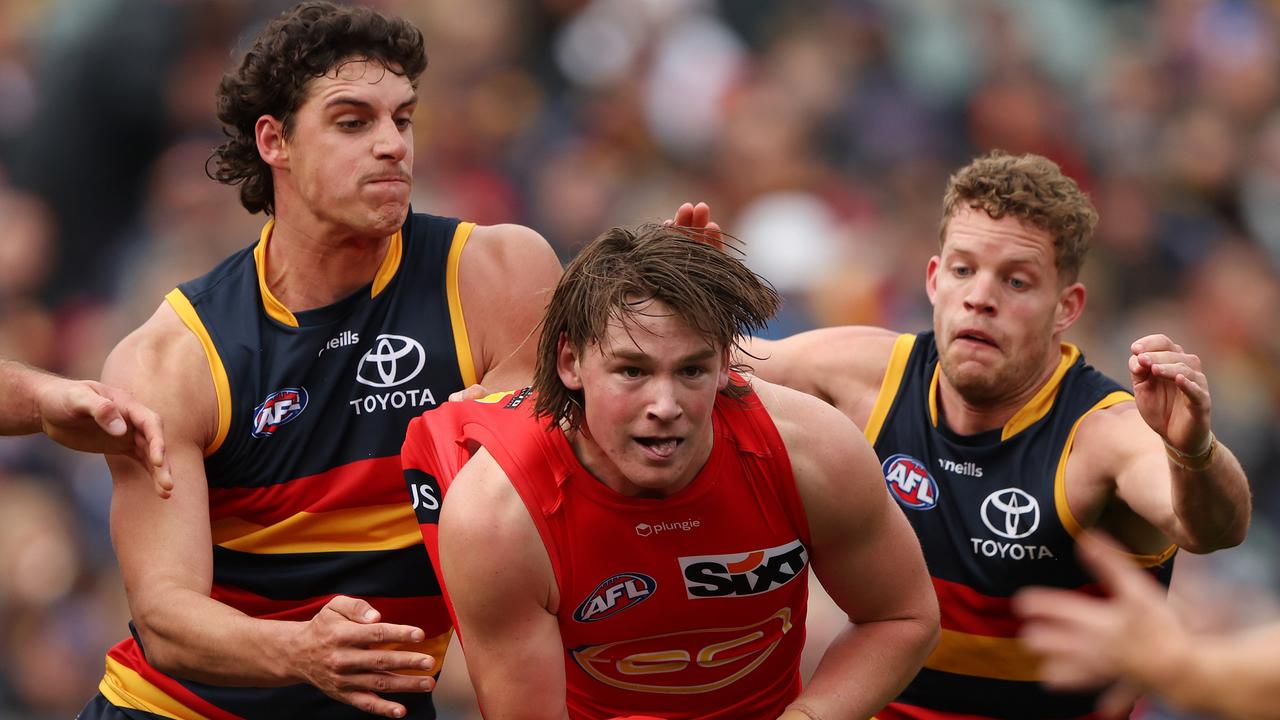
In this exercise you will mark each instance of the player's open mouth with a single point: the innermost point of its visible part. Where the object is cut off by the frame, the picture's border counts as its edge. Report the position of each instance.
(660, 447)
(976, 336)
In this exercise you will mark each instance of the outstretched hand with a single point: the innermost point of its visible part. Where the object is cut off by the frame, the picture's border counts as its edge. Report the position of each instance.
(344, 651)
(1121, 643)
(697, 219)
(92, 417)
(1172, 393)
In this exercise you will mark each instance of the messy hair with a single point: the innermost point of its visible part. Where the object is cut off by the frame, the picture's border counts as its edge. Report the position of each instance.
(618, 273)
(1033, 189)
(304, 43)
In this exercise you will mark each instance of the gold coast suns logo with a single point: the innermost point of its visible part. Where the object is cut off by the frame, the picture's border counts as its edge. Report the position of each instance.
(685, 663)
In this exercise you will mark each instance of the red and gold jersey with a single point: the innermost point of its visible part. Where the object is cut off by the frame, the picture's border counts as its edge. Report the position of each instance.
(690, 606)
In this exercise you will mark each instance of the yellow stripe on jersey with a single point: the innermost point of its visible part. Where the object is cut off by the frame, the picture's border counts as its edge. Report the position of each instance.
(981, 656)
(187, 313)
(273, 307)
(1068, 518)
(377, 527)
(461, 342)
(124, 687)
(1042, 403)
(390, 264)
(889, 386)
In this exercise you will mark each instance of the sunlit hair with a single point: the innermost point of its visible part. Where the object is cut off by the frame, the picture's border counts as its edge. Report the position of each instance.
(619, 272)
(1032, 189)
(304, 43)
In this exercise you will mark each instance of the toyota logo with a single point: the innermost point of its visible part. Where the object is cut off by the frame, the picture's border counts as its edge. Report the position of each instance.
(394, 360)
(1011, 513)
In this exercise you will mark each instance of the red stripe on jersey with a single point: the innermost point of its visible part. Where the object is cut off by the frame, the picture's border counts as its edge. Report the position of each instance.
(347, 486)
(398, 610)
(899, 711)
(969, 611)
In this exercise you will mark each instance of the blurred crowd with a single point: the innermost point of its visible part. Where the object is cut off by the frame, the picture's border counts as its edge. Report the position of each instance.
(821, 132)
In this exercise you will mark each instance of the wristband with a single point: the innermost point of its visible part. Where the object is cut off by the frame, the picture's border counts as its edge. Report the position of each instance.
(1198, 462)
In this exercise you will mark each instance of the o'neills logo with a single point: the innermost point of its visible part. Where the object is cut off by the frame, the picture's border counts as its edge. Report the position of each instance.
(960, 468)
(685, 663)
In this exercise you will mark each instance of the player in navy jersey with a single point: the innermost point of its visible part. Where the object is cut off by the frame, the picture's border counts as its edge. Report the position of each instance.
(1001, 444)
(286, 577)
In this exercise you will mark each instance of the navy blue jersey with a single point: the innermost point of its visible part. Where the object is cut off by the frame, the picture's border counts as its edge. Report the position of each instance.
(991, 513)
(306, 495)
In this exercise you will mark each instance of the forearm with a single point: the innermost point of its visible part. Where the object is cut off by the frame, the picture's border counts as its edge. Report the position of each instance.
(190, 635)
(864, 668)
(18, 383)
(1244, 663)
(1213, 505)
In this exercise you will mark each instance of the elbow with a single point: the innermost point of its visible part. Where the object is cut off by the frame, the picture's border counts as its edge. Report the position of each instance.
(159, 650)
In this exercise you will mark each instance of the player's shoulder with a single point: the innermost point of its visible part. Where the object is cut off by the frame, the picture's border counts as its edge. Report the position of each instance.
(164, 364)
(482, 503)
(509, 243)
(802, 420)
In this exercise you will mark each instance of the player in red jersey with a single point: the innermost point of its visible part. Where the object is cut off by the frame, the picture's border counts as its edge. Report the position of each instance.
(635, 535)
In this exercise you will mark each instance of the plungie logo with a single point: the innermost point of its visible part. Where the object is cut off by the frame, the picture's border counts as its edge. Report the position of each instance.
(622, 591)
(278, 408)
(910, 483)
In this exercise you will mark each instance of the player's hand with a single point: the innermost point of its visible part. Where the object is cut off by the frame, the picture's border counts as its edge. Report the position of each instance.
(344, 651)
(474, 392)
(1171, 392)
(1125, 641)
(697, 219)
(92, 417)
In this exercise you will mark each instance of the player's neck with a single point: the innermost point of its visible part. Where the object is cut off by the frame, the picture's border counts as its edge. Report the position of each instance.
(309, 265)
(969, 416)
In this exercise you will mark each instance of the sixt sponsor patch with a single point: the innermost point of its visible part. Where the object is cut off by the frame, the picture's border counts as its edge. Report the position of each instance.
(743, 574)
(617, 593)
(279, 408)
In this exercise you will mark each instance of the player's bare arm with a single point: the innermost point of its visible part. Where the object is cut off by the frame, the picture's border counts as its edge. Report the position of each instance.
(503, 589)
(843, 366)
(865, 555)
(505, 277)
(82, 415)
(1159, 456)
(183, 630)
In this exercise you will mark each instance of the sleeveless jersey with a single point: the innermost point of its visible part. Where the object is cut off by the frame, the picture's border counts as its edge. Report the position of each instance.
(306, 496)
(991, 513)
(690, 606)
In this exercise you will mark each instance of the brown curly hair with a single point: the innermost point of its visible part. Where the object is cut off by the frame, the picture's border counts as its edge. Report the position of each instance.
(618, 272)
(299, 45)
(1033, 189)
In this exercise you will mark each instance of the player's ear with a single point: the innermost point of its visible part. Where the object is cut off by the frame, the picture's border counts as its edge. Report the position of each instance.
(931, 277)
(1070, 306)
(268, 132)
(567, 364)
(722, 381)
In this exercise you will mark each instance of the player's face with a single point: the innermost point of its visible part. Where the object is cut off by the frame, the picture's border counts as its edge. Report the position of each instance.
(998, 308)
(350, 152)
(649, 388)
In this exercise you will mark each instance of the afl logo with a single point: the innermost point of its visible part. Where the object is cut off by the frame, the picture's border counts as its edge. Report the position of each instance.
(278, 408)
(910, 483)
(618, 593)
(1011, 513)
(394, 360)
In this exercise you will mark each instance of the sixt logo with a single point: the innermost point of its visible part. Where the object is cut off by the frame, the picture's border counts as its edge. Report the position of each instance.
(278, 408)
(518, 398)
(910, 483)
(743, 574)
(618, 593)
